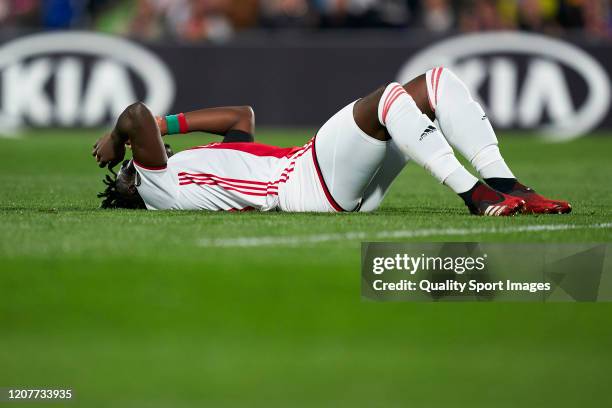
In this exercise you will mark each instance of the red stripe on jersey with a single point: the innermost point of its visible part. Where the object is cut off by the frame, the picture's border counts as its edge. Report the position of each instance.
(244, 183)
(248, 187)
(186, 174)
(148, 167)
(328, 195)
(186, 179)
(291, 165)
(215, 183)
(254, 148)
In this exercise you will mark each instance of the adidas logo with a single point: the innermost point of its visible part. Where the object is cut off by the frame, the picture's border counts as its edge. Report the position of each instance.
(427, 131)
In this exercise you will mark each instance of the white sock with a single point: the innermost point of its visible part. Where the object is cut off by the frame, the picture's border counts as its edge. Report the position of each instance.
(464, 123)
(459, 182)
(418, 138)
(489, 163)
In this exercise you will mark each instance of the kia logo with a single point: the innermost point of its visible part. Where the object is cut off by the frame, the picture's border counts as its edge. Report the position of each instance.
(523, 80)
(78, 79)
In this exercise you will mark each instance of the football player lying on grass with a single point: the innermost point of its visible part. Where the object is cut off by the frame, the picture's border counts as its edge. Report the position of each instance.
(348, 165)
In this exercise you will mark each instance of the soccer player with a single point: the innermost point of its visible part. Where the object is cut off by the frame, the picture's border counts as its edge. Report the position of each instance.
(348, 165)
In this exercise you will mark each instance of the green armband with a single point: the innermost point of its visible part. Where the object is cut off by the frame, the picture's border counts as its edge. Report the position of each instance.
(172, 123)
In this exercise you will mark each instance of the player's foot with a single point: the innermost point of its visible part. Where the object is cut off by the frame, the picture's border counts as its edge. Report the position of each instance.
(483, 200)
(537, 204)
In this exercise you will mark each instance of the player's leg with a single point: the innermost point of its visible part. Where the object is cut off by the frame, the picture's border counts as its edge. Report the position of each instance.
(391, 166)
(393, 112)
(395, 160)
(358, 158)
(467, 128)
(348, 157)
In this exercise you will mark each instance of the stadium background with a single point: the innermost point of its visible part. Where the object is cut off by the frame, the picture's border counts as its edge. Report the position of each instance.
(131, 308)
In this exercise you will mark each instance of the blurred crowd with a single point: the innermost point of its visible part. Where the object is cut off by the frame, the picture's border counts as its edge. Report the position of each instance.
(216, 20)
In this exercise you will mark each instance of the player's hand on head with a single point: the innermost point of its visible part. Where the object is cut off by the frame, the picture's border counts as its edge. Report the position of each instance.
(108, 150)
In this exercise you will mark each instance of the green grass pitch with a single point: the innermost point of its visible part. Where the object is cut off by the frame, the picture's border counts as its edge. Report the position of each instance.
(129, 309)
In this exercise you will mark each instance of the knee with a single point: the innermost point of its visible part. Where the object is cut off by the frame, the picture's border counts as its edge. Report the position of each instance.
(417, 89)
(373, 99)
(450, 82)
(365, 114)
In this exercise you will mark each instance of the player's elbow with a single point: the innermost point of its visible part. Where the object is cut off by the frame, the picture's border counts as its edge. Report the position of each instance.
(137, 111)
(248, 115)
(132, 116)
(246, 119)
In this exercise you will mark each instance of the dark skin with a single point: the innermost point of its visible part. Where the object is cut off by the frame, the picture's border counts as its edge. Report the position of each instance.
(366, 109)
(138, 127)
(217, 121)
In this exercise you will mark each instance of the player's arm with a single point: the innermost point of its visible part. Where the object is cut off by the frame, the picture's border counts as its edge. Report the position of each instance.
(138, 126)
(234, 121)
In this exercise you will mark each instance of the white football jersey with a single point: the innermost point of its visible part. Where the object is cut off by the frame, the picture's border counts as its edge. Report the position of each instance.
(235, 177)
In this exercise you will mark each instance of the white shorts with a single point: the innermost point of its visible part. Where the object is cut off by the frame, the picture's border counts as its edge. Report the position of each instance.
(348, 158)
(334, 174)
(329, 173)
(304, 189)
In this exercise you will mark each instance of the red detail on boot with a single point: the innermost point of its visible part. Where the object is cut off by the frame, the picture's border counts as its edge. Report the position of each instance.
(493, 203)
(538, 204)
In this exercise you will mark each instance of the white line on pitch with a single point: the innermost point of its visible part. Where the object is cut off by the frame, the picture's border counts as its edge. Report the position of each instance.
(294, 240)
